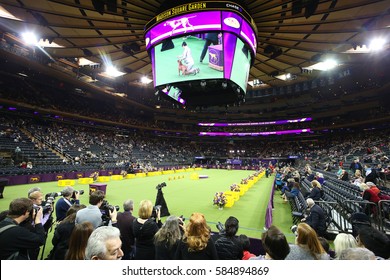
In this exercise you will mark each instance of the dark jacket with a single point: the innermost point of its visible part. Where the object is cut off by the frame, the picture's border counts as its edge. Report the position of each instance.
(208, 253)
(144, 234)
(62, 206)
(125, 225)
(317, 219)
(20, 239)
(60, 240)
(229, 248)
(315, 194)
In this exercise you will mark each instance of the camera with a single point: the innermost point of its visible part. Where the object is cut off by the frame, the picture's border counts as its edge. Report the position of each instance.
(221, 228)
(106, 208)
(160, 186)
(154, 212)
(294, 229)
(45, 208)
(181, 220)
(75, 192)
(51, 196)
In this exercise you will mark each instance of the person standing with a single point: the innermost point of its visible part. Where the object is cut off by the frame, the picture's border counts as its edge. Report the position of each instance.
(69, 197)
(210, 38)
(125, 225)
(144, 229)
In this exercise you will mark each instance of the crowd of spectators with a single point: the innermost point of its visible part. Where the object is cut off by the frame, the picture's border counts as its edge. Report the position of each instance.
(146, 238)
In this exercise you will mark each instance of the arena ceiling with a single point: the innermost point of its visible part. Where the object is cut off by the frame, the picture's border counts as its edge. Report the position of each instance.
(289, 38)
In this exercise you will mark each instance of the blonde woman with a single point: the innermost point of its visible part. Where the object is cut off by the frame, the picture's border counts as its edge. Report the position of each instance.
(316, 192)
(144, 229)
(307, 245)
(197, 243)
(342, 242)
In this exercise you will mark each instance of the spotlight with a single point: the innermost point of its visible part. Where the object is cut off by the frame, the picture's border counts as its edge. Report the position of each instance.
(224, 85)
(203, 83)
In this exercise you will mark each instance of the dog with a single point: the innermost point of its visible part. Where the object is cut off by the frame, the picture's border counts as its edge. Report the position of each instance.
(181, 67)
(184, 22)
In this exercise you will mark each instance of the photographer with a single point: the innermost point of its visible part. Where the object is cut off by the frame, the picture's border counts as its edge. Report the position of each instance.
(144, 229)
(16, 242)
(36, 196)
(69, 197)
(168, 237)
(93, 212)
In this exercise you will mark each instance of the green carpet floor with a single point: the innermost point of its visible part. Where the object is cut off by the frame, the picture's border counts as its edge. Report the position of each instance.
(185, 196)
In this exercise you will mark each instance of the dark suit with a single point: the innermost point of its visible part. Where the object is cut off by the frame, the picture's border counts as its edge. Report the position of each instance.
(317, 219)
(125, 225)
(210, 38)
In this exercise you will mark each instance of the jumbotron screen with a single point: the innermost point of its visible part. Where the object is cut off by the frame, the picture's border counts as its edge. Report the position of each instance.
(205, 47)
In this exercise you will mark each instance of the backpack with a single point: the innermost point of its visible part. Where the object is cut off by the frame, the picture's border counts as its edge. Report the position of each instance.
(15, 255)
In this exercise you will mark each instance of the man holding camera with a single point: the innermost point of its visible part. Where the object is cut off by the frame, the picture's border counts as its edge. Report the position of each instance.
(69, 197)
(17, 242)
(93, 212)
(36, 196)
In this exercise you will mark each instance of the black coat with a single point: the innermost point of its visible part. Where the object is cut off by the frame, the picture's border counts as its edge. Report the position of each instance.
(125, 225)
(315, 194)
(144, 236)
(229, 248)
(20, 239)
(317, 220)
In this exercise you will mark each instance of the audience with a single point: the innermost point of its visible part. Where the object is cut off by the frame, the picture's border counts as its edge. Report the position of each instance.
(307, 246)
(167, 238)
(316, 192)
(78, 241)
(246, 244)
(197, 243)
(275, 245)
(325, 244)
(357, 253)
(228, 246)
(144, 229)
(316, 218)
(104, 244)
(125, 225)
(342, 242)
(375, 241)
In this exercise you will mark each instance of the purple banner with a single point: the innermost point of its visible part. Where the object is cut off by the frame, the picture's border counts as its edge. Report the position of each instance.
(257, 123)
(281, 132)
(249, 35)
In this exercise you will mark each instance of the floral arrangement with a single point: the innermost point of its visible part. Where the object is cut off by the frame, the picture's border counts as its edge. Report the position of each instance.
(244, 181)
(219, 199)
(235, 188)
